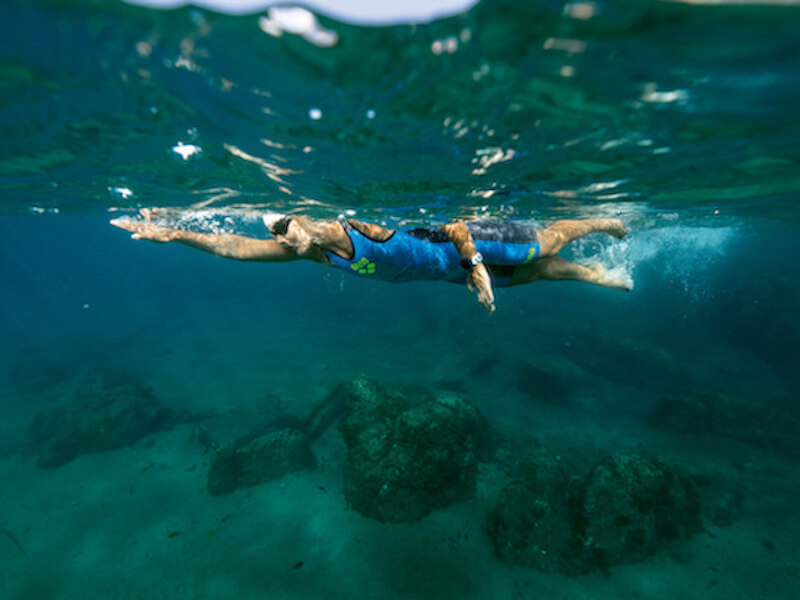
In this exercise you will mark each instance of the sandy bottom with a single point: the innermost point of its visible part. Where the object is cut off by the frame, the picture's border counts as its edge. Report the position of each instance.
(138, 523)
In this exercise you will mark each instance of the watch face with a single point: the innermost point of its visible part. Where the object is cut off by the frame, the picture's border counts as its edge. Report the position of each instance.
(471, 263)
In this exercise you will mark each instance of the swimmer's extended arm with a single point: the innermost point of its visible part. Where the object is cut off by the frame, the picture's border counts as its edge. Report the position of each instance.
(478, 278)
(227, 245)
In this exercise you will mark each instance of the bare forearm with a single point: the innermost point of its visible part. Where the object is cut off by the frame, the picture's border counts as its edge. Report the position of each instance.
(462, 239)
(478, 276)
(235, 246)
(227, 245)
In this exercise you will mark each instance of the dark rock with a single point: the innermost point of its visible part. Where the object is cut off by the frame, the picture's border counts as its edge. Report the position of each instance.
(761, 424)
(408, 453)
(107, 413)
(630, 362)
(628, 508)
(259, 459)
(325, 413)
(533, 521)
(633, 505)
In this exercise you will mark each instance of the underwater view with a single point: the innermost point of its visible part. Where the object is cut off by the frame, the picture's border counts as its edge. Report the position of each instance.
(264, 328)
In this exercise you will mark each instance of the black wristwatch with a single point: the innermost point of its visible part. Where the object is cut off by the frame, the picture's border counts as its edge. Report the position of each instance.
(471, 263)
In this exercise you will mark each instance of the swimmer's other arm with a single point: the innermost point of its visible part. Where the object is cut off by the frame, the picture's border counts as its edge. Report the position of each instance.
(478, 278)
(226, 245)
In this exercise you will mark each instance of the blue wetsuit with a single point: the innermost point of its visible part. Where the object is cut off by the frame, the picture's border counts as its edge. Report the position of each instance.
(428, 255)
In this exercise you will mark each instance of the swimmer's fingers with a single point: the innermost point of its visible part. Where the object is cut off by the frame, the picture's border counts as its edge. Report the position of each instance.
(125, 223)
(486, 298)
(480, 281)
(118, 222)
(145, 231)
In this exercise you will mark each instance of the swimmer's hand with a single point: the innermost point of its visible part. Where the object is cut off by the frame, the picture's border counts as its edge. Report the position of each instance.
(146, 230)
(478, 280)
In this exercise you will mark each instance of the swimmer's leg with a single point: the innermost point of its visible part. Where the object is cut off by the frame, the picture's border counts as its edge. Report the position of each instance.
(556, 268)
(561, 233)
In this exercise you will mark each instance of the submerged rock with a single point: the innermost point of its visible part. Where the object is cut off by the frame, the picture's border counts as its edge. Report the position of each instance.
(631, 362)
(533, 523)
(761, 424)
(632, 506)
(628, 508)
(249, 447)
(107, 413)
(408, 453)
(259, 459)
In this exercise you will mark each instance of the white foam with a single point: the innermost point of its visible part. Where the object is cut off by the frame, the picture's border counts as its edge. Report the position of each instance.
(687, 254)
(186, 151)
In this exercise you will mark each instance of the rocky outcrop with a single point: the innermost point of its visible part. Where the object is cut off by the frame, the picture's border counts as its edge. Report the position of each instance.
(408, 452)
(108, 412)
(627, 509)
(263, 443)
(632, 506)
(767, 425)
(631, 362)
(534, 521)
(259, 459)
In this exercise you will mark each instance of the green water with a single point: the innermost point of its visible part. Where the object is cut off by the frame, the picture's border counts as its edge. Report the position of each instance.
(681, 120)
(511, 107)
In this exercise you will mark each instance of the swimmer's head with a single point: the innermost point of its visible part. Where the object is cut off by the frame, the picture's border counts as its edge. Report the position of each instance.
(270, 219)
(292, 232)
(281, 226)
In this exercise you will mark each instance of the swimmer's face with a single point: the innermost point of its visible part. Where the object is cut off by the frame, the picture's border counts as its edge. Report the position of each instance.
(292, 235)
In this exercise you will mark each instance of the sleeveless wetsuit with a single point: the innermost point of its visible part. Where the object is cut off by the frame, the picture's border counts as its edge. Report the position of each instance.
(428, 255)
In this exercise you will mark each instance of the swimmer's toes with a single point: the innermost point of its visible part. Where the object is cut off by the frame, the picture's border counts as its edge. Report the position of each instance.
(606, 279)
(624, 284)
(619, 230)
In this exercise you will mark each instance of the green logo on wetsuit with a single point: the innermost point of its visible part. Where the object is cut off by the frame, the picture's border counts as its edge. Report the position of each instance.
(534, 250)
(363, 267)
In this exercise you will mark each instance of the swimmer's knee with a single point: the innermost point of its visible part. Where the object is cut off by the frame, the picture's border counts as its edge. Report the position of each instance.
(525, 274)
(550, 242)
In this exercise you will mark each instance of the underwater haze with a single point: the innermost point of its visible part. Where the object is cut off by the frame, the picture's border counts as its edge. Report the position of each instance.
(640, 444)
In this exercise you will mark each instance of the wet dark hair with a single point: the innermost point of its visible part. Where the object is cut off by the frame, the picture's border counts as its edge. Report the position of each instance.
(281, 226)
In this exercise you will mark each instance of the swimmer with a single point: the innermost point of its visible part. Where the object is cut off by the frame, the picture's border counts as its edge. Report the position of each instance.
(480, 254)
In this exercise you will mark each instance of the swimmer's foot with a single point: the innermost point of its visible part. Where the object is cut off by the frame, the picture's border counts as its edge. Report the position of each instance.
(616, 228)
(601, 276)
